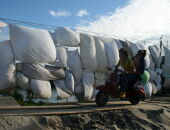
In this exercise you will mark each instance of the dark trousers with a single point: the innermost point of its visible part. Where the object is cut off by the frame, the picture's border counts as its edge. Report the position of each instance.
(127, 80)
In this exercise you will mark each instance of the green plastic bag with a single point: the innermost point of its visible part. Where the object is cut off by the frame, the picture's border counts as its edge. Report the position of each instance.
(145, 77)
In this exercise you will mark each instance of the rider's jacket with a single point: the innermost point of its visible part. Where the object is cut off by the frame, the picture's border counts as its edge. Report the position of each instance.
(127, 65)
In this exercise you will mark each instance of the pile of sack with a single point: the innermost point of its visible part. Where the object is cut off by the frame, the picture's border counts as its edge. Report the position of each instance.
(73, 63)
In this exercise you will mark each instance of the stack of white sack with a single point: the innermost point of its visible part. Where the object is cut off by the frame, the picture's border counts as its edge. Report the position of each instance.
(65, 87)
(7, 66)
(88, 53)
(35, 46)
(61, 56)
(99, 79)
(166, 68)
(32, 45)
(75, 65)
(97, 54)
(35, 76)
(66, 37)
(112, 52)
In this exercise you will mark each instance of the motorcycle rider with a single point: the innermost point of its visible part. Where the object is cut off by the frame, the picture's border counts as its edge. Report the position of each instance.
(139, 63)
(127, 64)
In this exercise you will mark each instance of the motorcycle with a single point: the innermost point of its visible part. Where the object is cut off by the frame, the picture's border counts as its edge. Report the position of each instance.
(135, 92)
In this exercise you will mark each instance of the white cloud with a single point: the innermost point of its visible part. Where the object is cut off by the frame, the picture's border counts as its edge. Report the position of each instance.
(138, 20)
(82, 13)
(59, 13)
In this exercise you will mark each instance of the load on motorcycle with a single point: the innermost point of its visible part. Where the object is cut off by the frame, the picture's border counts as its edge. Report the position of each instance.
(126, 83)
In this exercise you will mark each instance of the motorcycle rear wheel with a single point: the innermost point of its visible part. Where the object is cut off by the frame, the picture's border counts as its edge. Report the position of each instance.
(134, 100)
(101, 98)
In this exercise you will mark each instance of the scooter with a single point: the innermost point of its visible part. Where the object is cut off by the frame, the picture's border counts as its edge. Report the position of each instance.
(135, 93)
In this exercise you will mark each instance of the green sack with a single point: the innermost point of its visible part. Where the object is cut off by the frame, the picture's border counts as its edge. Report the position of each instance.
(145, 77)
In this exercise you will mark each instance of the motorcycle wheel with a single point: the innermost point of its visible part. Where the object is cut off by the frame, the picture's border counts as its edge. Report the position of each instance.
(101, 98)
(134, 101)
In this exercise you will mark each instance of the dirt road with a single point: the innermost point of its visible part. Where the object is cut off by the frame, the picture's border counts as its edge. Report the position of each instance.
(151, 114)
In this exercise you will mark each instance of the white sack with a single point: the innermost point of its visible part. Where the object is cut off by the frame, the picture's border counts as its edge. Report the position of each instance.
(155, 52)
(6, 54)
(61, 57)
(37, 71)
(66, 37)
(156, 78)
(148, 89)
(61, 84)
(152, 74)
(154, 88)
(56, 71)
(75, 65)
(102, 63)
(32, 45)
(7, 76)
(22, 81)
(62, 94)
(88, 53)
(152, 64)
(134, 47)
(40, 88)
(166, 65)
(99, 76)
(69, 81)
(66, 84)
(99, 79)
(111, 51)
(119, 45)
(62, 91)
(88, 82)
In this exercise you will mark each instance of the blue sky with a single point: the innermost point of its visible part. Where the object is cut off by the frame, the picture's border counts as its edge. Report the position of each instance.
(133, 20)
(58, 12)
